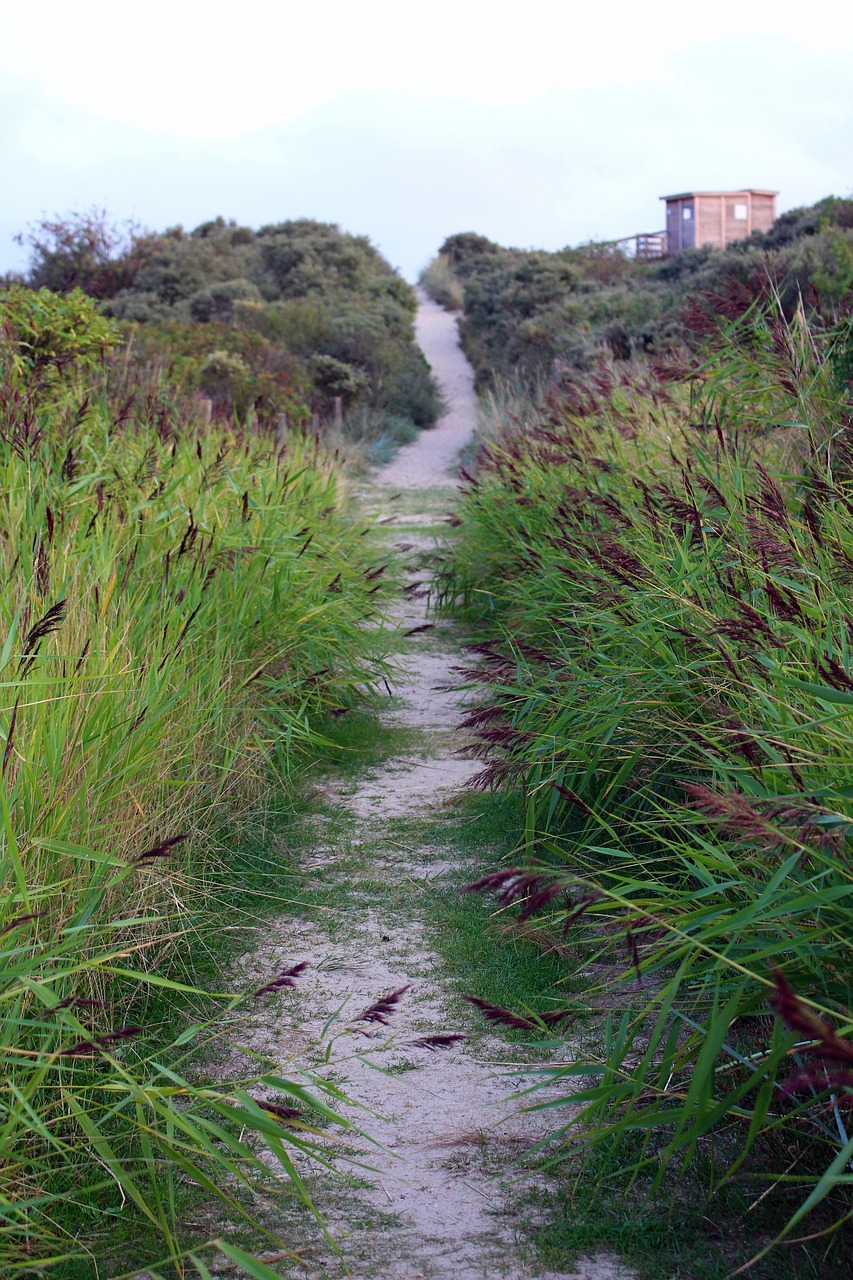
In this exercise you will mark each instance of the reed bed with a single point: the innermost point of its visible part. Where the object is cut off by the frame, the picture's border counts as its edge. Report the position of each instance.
(181, 601)
(659, 564)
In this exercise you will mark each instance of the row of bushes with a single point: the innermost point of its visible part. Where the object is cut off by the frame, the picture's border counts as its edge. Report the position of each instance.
(529, 313)
(660, 575)
(180, 604)
(285, 320)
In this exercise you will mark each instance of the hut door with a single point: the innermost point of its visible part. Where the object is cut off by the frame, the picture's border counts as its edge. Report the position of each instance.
(688, 224)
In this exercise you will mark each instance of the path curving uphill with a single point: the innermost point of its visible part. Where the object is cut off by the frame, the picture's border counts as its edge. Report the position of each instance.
(432, 458)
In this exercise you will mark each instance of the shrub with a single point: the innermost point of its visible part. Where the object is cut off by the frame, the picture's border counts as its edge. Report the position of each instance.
(334, 378)
(166, 361)
(301, 293)
(85, 251)
(217, 300)
(226, 376)
(138, 306)
(44, 333)
(408, 388)
(302, 324)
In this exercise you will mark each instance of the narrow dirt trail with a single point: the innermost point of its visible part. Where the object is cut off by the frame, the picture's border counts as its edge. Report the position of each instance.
(431, 1204)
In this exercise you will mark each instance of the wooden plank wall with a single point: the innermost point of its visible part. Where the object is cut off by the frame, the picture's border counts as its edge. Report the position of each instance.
(713, 220)
(763, 212)
(710, 221)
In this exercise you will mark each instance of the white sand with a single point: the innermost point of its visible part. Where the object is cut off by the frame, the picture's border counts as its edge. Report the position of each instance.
(432, 458)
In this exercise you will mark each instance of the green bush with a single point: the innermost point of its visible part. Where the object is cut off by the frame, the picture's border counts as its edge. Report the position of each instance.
(336, 379)
(217, 300)
(168, 360)
(139, 306)
(408, 389)
(300, 293)
(45, 333)
(303, 325)
(225, 375)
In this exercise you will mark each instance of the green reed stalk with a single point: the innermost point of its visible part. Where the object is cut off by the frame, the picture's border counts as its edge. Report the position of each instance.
(179, 606)
(662, 576)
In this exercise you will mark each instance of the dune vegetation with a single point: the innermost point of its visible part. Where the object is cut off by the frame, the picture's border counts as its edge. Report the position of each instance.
(297, 319)
(655, 557)
(652, 554)
(185, 602)
(529, 314)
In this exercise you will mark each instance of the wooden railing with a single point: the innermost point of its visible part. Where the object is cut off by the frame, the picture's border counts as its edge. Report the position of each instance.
(646, 246)
(651, 245)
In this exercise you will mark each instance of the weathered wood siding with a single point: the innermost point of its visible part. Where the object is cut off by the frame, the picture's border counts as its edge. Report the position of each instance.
(710, 222)
(737, 217)
(763, 212)
(716, 218)
(680, 224)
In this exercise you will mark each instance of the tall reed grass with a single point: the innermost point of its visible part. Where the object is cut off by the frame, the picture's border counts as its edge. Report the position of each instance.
(661, 574)
(179, 602)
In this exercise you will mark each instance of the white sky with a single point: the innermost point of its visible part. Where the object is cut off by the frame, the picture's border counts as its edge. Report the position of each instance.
(533, 123)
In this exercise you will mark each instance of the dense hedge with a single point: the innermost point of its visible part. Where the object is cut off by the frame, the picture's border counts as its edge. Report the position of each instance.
(281, 320)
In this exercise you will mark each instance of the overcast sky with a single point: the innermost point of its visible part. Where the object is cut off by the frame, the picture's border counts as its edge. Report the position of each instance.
(535, 124)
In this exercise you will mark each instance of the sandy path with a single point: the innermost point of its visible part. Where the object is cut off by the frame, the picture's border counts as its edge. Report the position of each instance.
(431, 459)
(430, 1207)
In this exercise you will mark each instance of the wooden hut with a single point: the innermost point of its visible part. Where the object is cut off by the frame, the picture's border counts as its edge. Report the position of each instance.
(716, 218)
